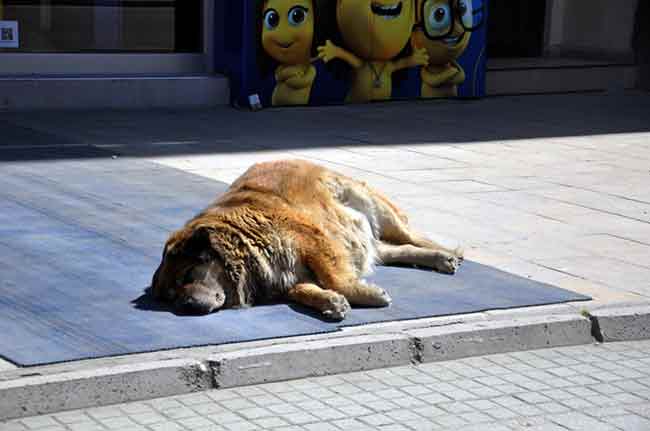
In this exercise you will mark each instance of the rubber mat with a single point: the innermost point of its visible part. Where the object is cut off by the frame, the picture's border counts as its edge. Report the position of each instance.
(80, 238)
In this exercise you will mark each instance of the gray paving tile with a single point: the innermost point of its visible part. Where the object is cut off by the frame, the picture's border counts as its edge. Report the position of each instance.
(299, 418)
(578, 422)
(166, 426)
(421, 425)
(630, 422)
(377, 419)
(147, 418)
(476, 418)
(494, 402)
(353, 410)
(449, 421)
(12, 426)
(351, 424)
(91, 426)
(321, 426)
(72, 417)
(640, 409)
(117, 423)
(269, 423)
(241, 426)
(502, 413)
(606, 412)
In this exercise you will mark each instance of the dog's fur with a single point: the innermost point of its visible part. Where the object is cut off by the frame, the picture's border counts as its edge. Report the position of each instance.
(291, 230)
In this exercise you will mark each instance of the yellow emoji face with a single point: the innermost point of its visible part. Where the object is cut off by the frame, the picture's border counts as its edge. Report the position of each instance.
(375, 30)
(288, 30)
(442, 29)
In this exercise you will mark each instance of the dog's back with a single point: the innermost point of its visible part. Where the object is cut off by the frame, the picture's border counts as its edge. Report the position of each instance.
(309, 199)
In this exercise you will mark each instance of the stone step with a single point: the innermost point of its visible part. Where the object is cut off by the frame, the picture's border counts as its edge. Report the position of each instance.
(560, 75)
(504, 77)
(112, 92)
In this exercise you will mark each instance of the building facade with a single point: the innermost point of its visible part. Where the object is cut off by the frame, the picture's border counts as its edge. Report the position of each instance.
(149, 53)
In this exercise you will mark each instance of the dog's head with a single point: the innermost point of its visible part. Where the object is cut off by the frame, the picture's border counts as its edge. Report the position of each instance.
(193, 274)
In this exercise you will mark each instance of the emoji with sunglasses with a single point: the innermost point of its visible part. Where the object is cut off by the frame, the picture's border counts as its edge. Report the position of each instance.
(444, 29)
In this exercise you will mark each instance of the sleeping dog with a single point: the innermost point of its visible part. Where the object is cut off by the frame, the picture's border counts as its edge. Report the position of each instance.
(295, 231)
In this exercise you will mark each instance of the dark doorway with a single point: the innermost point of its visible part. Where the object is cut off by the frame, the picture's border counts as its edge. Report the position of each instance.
(516, 28)
(188, 25)
(642, 43)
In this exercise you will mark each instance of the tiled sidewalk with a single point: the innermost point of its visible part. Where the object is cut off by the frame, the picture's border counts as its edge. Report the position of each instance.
(593, 387)
(550, 187)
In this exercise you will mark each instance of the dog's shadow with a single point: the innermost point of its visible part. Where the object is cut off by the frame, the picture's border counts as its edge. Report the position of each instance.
(147, 302)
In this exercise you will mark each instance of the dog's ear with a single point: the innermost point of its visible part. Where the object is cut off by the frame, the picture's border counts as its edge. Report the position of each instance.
(189, 241)
(197, 244)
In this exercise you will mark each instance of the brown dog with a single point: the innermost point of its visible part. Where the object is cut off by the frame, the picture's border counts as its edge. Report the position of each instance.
(291, 230)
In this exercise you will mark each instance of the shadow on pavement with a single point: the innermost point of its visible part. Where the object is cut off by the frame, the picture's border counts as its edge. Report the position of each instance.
(40, 136)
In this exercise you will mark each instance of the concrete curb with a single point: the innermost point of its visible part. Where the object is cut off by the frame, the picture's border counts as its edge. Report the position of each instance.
(501, 336)
(35, 395)
(622, 324)
(316, 358)
(138, 377)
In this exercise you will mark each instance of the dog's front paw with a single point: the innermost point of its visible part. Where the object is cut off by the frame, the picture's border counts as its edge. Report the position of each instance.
(447, 263)
(376, 296)
(384, 299)
(337, 307)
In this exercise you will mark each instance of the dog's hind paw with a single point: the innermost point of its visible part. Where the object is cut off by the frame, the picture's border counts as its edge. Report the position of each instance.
(384, 298)
(447, 263)
(376, 297)
(337, 307)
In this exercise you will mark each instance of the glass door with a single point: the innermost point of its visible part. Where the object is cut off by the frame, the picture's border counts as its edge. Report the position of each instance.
(66, 34)
(516, 28)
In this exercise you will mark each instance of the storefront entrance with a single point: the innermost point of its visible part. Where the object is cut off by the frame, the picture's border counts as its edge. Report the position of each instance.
(60, 36)
(516, 28)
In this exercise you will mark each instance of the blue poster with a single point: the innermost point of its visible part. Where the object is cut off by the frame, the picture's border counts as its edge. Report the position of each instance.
(315, 52)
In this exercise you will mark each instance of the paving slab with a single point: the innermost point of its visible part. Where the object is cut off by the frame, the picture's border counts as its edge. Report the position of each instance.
(504, 392)
(39, 390)
(5, 365)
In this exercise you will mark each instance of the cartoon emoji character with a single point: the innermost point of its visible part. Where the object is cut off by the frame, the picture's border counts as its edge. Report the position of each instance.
(375, 33)
(444, 29)
(287, 30)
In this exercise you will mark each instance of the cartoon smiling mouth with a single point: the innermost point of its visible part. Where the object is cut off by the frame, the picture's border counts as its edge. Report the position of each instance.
(285, 45)
(452, 40)
(390, 11)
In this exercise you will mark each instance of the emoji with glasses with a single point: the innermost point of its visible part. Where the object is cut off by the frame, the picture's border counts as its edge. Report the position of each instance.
(376, 36)
(444, 29)
(288, 34)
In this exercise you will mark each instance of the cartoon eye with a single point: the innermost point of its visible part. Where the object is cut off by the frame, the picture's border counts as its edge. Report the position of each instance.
(271, 19)
(439, 19)
(466, 13)
(297, 15)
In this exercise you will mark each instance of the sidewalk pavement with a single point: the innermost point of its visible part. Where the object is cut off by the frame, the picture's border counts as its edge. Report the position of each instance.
(554, 188)
(592, 387)
(549, 187)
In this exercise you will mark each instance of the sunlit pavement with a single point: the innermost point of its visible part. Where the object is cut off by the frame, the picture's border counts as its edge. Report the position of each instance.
(554, 188)
(592, 387)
